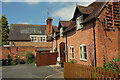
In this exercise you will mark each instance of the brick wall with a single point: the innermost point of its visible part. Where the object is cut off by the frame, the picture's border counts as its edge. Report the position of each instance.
(107, 42)
(13, 51)
(76, 38)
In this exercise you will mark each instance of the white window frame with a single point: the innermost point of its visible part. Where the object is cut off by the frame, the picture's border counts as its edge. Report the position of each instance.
(38, 36)
(34, 38)
(54, 35)
(43, 39)
(78, 22)
(72, 53)
(54, 50)
(61, 31)
(82, 52)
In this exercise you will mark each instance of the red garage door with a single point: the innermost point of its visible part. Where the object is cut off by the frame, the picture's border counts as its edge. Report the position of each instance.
(46, 58)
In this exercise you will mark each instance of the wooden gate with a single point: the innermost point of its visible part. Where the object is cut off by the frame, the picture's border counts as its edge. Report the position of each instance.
(46, 58)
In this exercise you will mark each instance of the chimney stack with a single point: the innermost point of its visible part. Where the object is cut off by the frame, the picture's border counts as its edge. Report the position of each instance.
(49, 25)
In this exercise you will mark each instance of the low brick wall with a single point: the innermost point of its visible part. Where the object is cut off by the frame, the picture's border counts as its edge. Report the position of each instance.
(14, 50)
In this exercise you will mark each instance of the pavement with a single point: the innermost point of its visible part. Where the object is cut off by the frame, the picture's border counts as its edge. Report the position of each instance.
(56, 76)
(51, 72)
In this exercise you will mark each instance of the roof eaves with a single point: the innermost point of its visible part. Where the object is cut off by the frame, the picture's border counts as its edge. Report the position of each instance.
(69, 30)
(96, 16)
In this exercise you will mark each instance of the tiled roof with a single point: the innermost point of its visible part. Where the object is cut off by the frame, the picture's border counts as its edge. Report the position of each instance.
(56, 29)
(85, 9)
(22, 31)
(92, 10)
(65, 23)
(70, 27)
(98, 6)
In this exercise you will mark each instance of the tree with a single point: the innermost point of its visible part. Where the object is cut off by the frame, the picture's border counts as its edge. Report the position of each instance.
(5, 30)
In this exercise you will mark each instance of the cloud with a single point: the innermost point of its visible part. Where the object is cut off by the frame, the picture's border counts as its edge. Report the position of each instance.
(22, 23)
(68, 11)
(32, 3)
(64, 13)
(30, 20)
(48, 0)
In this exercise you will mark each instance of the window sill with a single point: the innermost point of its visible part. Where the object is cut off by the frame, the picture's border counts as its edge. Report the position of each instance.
(83, 60)
(72, 58)
(78, 29)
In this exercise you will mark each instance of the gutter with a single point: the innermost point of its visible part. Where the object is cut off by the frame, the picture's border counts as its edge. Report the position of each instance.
(66, 48)
(56, 44)
(95, 61)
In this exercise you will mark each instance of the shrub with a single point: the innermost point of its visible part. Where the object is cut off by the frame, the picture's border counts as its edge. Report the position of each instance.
(15, 61)
(111, 65)
(22, 61)
(9, 57)
(73, 61)
(30, 58)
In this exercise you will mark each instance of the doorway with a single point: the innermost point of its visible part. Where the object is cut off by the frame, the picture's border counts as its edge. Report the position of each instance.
(62, 52)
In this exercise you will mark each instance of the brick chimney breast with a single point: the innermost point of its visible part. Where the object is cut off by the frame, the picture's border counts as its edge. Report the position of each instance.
(49, 25)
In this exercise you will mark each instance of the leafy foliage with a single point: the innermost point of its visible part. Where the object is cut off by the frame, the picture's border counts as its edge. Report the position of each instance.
(30, 58)
(14, 62)
(111, 65)
(9, 57)
(73, 61)
(4, 30)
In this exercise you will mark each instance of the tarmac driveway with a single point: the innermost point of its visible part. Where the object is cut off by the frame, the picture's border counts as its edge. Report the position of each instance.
(30, 71)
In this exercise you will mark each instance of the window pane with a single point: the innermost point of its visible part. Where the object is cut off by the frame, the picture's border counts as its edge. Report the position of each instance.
(78, 22)
(80, 52)
(72, 52)
(84, 48)
(73, 55)
(85, 55)
(43, 39)
(72, 49)
(40, 39)
(32, 39)
(35, 38)
(81, 18)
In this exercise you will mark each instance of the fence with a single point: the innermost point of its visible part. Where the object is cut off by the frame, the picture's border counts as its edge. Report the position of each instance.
(46, 58)
(77, 71)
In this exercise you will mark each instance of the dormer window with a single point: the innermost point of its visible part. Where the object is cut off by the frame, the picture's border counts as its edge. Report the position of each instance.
(42, 39)
(38, 38)
(33, 39)
(54, 35)
(61, 31)
(78, 21)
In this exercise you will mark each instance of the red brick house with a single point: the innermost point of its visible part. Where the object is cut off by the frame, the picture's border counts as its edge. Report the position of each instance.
(28, 37)
(92, 34)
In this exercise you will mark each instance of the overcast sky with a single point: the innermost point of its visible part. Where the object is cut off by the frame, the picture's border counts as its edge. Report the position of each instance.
(36, 12)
